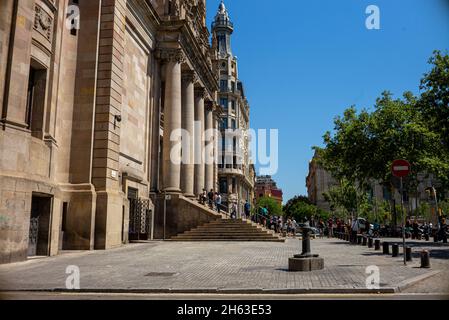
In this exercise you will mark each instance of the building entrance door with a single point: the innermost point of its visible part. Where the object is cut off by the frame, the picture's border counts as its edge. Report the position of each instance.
(39, 234)
(140, 218)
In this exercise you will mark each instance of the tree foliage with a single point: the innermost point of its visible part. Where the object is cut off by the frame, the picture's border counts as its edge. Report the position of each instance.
(301, 209)
(274, 208)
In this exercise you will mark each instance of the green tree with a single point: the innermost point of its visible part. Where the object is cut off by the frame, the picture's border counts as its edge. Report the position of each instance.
(300, 208)
(274, 208)
(434, 102)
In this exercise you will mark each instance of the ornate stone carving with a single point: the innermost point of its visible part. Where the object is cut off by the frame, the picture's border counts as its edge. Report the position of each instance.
(171, 55)
(200, 92)
(189, 76)
(43, 22)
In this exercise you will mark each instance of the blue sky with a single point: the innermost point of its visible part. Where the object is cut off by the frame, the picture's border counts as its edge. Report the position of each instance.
(304, 62)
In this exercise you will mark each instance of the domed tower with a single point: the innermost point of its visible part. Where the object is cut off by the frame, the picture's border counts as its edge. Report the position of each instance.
(235, 183)
(222, 29)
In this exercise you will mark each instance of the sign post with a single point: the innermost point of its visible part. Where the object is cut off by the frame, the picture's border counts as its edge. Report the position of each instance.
(401, 169)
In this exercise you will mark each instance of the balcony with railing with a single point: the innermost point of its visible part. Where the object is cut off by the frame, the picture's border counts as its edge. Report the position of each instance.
(222, 24)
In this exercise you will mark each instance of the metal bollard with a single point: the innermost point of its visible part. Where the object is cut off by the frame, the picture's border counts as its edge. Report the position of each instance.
(377, 244)
(427, 237)
(395, 249)
(425, 259)
(359, 239)
(370, 242)
(386, 248)
(408, 254)
(365, 240)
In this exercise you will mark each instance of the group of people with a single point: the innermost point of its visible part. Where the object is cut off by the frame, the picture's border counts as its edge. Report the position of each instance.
(278, 224)
(214, 201)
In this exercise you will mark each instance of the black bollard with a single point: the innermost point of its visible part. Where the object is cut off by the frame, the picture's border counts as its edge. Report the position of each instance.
(359, 239)
(408, 254)
(370, 243)
(386, 248)
(377, 245)
(435, 238)
(427, 237)
(365, 240)
(425, 259)
(395, 249)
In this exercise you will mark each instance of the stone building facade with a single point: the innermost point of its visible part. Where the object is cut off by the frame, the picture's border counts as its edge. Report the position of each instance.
(267, 187)
(89, 105)
(318, 182)
(236, 174)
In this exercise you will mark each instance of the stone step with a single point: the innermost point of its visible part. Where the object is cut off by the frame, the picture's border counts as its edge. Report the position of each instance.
(229, 240)
(228, 230)
(225, 238)
(231, 234)
(225, 232)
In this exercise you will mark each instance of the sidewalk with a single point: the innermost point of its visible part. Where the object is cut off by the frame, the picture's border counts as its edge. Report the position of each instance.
(181, 267)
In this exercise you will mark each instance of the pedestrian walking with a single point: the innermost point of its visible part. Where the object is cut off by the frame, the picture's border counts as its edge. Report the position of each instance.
(218, 202)
(247, 209)
(210, 197)
(234, 211)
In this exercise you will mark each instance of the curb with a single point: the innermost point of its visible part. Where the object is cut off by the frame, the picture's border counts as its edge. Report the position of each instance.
(410, 282)
(384, 290)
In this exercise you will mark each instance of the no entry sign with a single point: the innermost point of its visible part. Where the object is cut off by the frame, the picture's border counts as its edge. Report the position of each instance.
(401, 168)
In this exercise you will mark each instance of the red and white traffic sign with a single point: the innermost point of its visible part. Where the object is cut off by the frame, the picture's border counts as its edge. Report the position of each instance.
(401, 168)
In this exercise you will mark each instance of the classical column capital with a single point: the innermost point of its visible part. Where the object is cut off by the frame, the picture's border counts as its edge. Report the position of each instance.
(200, 92)
(209, 105)
(189, 76)
(171, 55)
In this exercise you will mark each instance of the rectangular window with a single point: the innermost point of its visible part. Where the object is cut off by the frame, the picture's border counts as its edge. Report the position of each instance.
(224, 103)
(224, 124)
(36, 95)
(223, 186)
(233, 106)
(233, 124)
(224, 85)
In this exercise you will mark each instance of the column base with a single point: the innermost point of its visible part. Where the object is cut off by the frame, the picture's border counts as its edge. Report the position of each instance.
(305, 264)
(173, 190)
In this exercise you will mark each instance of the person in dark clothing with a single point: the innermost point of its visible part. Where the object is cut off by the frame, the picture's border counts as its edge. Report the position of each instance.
(210, 197)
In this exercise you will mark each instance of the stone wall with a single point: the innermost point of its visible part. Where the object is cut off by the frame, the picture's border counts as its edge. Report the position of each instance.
(182, 215)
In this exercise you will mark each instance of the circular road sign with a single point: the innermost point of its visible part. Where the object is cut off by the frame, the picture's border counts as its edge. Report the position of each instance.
(401, 168)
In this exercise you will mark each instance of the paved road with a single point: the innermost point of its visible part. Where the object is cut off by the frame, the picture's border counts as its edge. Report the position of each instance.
(214, 267)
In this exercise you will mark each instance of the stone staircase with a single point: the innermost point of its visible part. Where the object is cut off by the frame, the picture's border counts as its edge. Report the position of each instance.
(229, 230)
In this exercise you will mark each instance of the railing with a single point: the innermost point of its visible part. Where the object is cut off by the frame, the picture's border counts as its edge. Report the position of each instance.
(222, 23)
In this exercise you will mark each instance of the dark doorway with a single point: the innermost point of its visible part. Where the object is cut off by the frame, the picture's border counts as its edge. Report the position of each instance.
(39, 237)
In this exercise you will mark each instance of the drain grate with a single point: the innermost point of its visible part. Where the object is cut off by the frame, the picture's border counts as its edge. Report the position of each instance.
(161, 274)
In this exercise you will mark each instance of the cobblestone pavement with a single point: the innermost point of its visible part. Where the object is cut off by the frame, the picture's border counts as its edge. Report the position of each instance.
(223, 267)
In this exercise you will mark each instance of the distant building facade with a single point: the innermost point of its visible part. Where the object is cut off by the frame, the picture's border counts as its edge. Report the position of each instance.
(267, 187)
(236, 174)
(320, 181)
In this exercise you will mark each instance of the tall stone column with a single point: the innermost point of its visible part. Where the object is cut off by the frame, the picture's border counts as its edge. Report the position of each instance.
(209, 153)
(172, 121)
(188, 124)
(200, 94)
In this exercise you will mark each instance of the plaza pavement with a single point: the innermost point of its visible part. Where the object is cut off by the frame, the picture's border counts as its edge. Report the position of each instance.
(230, 268)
